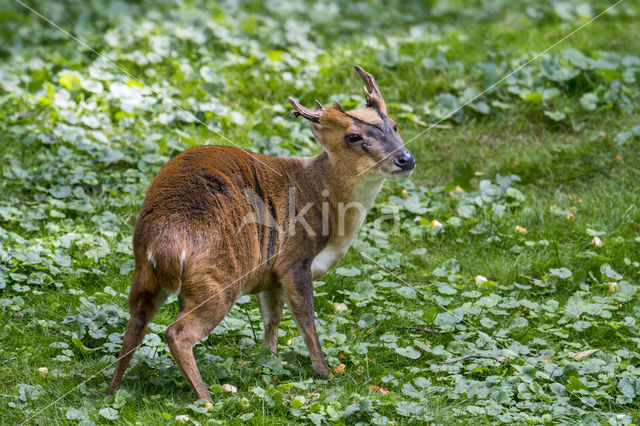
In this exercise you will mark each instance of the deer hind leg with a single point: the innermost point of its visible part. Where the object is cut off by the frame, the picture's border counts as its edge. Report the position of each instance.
(199, 316)
(144, 300)
(271, 303)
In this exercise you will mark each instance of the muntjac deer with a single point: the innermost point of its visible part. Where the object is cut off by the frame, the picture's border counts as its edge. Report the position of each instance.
(219, 222)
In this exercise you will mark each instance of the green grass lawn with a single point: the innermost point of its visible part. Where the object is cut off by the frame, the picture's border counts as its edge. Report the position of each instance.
(517, 237)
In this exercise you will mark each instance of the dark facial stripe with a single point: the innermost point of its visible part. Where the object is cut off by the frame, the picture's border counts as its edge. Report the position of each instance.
(358, 121)
(377, 108)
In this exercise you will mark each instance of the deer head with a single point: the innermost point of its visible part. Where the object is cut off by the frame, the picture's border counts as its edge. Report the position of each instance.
(361, 141)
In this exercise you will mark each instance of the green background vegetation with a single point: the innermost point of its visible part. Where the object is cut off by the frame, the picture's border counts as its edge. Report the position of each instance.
(553, 150)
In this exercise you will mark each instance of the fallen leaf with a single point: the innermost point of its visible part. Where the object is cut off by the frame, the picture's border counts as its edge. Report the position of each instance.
(229, 388)
(597, 242)
(480, 279)
(436, 223)
(182, 418)
(340, 307)
(43, 370)
(520, 229)
(379, 389)
(584, 354)
(339, 369)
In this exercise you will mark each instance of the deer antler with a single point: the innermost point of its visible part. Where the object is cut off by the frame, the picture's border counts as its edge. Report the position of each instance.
(371, 91)
(308, 113)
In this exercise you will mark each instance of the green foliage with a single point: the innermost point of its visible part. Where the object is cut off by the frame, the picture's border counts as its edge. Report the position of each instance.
(516, 238)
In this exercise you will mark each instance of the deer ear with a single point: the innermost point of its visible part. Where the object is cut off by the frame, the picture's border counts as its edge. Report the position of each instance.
(312, 115)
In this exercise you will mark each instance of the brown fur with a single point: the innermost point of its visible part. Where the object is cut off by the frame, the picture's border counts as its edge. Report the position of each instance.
(191, 236)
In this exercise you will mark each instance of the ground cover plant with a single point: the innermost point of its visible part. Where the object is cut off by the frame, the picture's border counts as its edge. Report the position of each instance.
(516, 239)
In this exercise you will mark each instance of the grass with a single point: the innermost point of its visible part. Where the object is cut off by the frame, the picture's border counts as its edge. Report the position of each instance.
(65, 258)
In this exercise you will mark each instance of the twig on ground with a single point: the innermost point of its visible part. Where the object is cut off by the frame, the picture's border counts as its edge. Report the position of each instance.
(453, 361)
(426, 330)
(435, 126)
(527, 277)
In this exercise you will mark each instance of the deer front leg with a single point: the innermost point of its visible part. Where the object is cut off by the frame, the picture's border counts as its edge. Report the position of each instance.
(270, 303)
(298, 287)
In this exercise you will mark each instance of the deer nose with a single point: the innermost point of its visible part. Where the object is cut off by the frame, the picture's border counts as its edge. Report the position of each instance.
(406, 161)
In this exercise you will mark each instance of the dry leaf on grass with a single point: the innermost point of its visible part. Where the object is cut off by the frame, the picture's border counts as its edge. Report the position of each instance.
(379, 389)
(229, 388)
(584, 354)
(339, 369)
(520, 230)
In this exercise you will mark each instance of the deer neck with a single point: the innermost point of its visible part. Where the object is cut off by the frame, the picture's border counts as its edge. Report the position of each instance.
(338, 186)
(345, 199)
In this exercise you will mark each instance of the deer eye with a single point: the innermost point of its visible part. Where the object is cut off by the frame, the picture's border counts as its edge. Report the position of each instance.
(353, 138)
(395, 128)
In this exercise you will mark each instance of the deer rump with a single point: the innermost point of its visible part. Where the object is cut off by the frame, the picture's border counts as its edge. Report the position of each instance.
(212, 211)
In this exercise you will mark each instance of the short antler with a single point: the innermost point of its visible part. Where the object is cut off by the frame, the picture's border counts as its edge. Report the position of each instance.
(308, 113)
(371, 91)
